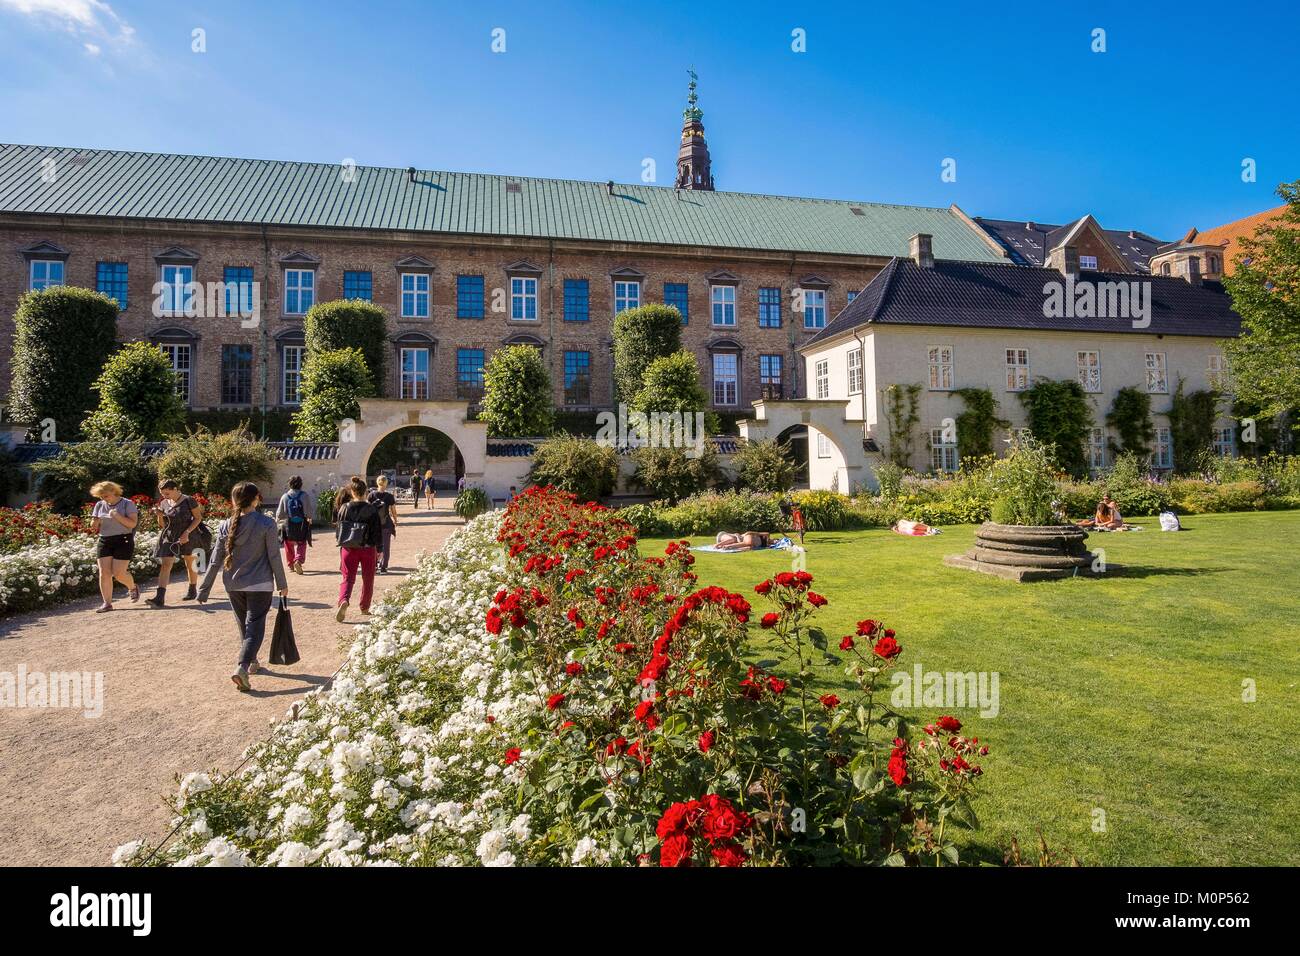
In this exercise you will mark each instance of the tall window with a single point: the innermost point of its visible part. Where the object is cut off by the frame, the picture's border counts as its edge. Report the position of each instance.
(1096, 449)
(677, 294)
(291, 359)
(239, 290)
(523, 298)
(236, 375)
(1017, 370)
(110, 279)
(181, 359)
(1216, 368)
(822, 378)
(299, 291)
(469, 297)
(814, 308)
(770, 369)
(45, 273)
(415, 373)
(358, 285)
(1225, 442)
(940, 367)
(855, 370)
(723, 298)
(1089, 370)
(769, 307)
(725, 378)
(415, 295)
(1157, 373)
(178, 291)
(627, 295)
(469, 374)
(943, 451)
(577, 300)
(823, 445)
(1163, 456)
(577, 378)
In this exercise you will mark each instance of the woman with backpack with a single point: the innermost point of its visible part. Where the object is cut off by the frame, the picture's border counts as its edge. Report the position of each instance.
(247, 554)
(293, 518)
(383, 499)
(359, 535)
(114, 520)
(183, 532)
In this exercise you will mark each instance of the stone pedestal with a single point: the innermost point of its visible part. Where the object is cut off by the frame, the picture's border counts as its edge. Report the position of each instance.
(1028, 552)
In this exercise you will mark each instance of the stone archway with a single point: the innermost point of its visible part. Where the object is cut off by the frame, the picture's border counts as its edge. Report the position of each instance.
(836, 460)
(382, 416)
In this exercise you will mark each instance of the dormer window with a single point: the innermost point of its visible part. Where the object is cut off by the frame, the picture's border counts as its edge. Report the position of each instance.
(1088, 262)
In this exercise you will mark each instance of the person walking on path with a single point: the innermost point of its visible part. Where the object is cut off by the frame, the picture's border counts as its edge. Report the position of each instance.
(247, 554)
(181, 518)
(383, 499)
(430, 490)
(359, 535)
(293, 518)
(114, 519)
(417, 482)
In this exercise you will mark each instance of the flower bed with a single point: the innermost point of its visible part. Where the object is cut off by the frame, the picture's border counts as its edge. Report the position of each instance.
(539, 693)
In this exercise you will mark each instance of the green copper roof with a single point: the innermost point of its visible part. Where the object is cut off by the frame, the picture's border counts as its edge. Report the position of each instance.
(159, 186)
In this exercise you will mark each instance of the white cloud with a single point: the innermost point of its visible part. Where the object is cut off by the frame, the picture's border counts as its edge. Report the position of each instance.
(92, 48)
(82, 18)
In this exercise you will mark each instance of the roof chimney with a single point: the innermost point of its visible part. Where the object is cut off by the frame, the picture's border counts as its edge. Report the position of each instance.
(921, 250)
(1065, 260)
(410, 174)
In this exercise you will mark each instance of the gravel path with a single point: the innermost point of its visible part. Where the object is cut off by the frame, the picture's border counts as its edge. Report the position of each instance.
(73, 788)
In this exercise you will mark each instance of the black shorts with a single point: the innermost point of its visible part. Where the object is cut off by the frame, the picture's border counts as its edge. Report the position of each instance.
(120, 547)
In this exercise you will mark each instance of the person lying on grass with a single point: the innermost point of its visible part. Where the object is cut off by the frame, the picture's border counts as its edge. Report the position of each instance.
(748, 541)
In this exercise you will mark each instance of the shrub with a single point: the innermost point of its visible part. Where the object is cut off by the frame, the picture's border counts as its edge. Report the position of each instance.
(1026, 486)
(873, 513)
(517, 399)
(763, 466)
(325, 505)
(332, 385)
(648, 520)
(1134, 490)
(1130, 416)
(670, 474)
(472, 502)
(212, 464)
(137, 396)
(715, 511)
(1197, 496)
(349, 324)
(65, 479)
(671, 383)
(889, 479)
(62, 338)
(823, 510)
(581, 466)
(642, 335)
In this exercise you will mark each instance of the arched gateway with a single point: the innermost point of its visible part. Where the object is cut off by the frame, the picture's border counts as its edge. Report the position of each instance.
(381, 417)
(836, 457)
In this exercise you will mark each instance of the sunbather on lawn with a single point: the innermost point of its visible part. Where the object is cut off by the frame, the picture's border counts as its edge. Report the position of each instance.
(748, 541)
(1107, 517)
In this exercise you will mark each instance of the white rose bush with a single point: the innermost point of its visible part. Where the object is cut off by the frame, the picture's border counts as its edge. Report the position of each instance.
(44, 575)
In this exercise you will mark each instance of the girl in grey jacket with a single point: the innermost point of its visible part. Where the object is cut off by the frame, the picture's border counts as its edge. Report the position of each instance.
(247, 553)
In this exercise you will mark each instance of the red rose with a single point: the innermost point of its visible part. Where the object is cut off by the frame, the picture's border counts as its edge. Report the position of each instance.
(554, 701)
(949, 724)
(675, 851)
(512, 755)
(763, 587)
(770, 620)
(643, 710)
(868, 627)
(887, 648)
(776, 685)
(847, 643)
(898, 768)
(829, 701)
(729, 854)
(722, 821)
(816, 600)
(573, 668)
(706, 741)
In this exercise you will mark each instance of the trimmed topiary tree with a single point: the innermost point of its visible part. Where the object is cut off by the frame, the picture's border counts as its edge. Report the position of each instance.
(517, 400)
(1060, 417)
(212, 464)
(763, 466)
(349, 324)
(671, 383)
(137, 396)
(642, 335)
(332, 385)
(62, 338)
(582, 466)
(1130, 416)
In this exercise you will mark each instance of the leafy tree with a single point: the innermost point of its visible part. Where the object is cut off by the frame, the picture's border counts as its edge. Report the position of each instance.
(332, 385)
(642, 335)
(137, 396)
(764, 466)
(582, 466)
(1130, 416)
(1191, 426)
(66, 478)
(62, 338)
(671, 383)
(213, 463)
(1060, 417)
(349, 324)
(517, 399)
(671, 474)
(1265, 290)
(975, 426)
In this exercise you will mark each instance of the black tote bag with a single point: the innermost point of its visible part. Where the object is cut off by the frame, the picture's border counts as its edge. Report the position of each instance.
(283, 648)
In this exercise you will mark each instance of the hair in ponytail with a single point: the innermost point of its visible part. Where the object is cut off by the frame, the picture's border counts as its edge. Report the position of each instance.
(241, 496)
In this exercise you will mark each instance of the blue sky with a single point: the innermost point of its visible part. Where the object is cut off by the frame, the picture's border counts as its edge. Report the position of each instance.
(1150, 134)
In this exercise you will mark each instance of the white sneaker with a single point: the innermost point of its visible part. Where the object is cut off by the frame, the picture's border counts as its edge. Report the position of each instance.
(342, 612)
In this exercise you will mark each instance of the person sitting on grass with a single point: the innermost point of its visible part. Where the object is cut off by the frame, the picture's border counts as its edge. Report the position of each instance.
(1107, 517)
(748, 541)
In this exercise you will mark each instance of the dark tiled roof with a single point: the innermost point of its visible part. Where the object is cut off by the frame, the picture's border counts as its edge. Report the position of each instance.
(523, 448)
(982, 295)
(1028, 243)
(25, 454)
(305, 450)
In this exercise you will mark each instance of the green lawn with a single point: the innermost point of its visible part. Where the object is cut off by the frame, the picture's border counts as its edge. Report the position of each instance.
(1122, 694)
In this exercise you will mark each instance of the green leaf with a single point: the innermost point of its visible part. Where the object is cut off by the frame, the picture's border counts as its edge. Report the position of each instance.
(895, 859)
(675, 725)
(950, 854)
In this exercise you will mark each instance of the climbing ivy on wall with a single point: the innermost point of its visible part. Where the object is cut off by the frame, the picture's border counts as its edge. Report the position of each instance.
(975, 426)
(1130, 417)
(1060, 416)
(902, 414)
(1191, 425)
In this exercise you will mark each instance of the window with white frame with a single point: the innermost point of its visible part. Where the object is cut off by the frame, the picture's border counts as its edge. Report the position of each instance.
(523, 298)
(299, 291)
(1096, 449)
(823, 445)
(941, 367)
(44, 273)
(180, 355)
(723, 298)
(291, 359)
(415, 295)
(943, 450)
(855, 370)
(1163, 456)
(725, 378)
(1088, 262)
(178, 289)
(1017, 370)
(627, 295)
(1157, 373)
(415, 373)
(1216, 368)
(1089, 362)
(1225, 442)
(822, 378)
(814, 308)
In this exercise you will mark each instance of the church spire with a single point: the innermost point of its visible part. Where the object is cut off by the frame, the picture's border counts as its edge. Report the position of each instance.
(694, 170)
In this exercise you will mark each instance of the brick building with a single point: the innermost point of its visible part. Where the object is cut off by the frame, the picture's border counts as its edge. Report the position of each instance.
(462, 264)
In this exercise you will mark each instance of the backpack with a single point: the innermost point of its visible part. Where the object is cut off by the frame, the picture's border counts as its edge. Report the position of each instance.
(294, 507)
(354, 524)
(380, 505)
(1169, 521)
